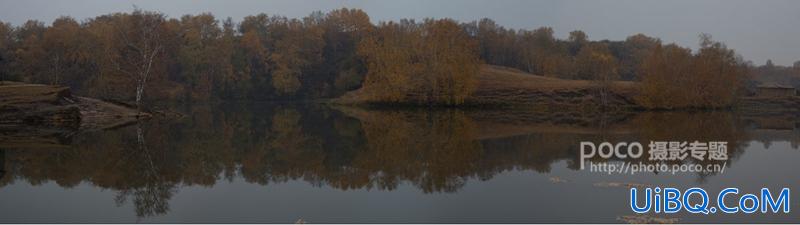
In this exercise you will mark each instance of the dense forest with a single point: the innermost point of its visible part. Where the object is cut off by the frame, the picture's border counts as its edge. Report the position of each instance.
(147, 56)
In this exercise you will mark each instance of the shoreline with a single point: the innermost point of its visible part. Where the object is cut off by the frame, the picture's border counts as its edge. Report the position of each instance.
(507, 88)
(51, 106)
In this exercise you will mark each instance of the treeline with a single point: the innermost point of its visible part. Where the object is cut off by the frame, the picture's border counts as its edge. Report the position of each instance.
(671, 76)
(198, 57)
(540, 52)
(769, 73)
(195, 57)
(430, 62)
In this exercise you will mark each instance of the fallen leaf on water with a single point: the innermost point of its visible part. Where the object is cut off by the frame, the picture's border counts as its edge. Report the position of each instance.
(557, 180)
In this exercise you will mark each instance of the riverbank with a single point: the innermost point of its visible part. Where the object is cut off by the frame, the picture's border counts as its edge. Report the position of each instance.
(37, 105)
(502, 87)
(36, 115)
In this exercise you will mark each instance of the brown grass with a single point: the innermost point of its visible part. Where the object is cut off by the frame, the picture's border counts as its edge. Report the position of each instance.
(511, 87)
(504, 78)
(17, 94)
(505, 86)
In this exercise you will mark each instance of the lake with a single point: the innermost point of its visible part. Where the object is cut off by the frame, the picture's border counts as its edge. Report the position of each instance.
(272, 163)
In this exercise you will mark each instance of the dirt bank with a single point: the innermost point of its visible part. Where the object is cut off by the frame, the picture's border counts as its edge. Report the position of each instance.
(35, 114)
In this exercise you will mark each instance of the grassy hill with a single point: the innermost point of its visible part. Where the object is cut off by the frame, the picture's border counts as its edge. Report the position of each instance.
(502, 86)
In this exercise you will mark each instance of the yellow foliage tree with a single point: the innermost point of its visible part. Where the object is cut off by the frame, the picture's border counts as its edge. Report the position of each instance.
(596, 63)
(674, 78)
(434, 62)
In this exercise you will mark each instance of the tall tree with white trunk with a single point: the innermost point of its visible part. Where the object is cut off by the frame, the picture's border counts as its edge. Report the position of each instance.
(138, 43)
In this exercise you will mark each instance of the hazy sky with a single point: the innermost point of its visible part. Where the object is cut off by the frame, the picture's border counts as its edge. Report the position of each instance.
(758, 30)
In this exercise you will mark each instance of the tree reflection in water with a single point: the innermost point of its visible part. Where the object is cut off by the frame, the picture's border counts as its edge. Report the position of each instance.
(152, 195)
(348, 148)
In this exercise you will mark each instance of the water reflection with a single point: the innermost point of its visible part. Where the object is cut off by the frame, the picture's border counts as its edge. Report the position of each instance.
(436, 151)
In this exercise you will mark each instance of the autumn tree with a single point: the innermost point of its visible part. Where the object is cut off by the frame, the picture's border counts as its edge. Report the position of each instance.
(577, 39)
(497, 45)
(203, 58)
(434, 62)
(389, 56)
(297, 49)
(231, 84)
(595, 62)
(137, 44)
(664, 73)
(5, 50)
(342, 69)
(280, 51)
(633, 51)
(255, 55)
(67, 52)
(29, 55)
(540, 52)
(718, 74)
(451, 62)
(674, 78)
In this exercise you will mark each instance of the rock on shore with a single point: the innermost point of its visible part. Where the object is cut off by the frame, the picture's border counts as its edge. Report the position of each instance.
(38, 105)
(36, 114)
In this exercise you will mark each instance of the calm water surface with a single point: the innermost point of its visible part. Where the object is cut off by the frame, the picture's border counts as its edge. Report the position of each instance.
(266, 163)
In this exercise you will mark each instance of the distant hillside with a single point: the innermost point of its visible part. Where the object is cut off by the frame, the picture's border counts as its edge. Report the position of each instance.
(503, 86)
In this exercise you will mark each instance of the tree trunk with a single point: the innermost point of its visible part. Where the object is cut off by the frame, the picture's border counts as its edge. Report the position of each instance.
(139, 91)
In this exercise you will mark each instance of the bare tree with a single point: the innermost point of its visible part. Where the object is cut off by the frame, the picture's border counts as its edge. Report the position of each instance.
(140, 42)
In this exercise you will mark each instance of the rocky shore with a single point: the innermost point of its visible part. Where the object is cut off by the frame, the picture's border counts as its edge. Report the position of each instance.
(36, 114)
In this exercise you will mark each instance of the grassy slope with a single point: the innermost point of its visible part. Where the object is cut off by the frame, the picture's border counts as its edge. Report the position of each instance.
(498, 77)
(14, 94)
(506, 86)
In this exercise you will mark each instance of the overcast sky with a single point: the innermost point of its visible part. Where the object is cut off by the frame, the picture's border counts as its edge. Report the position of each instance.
(758, 30)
